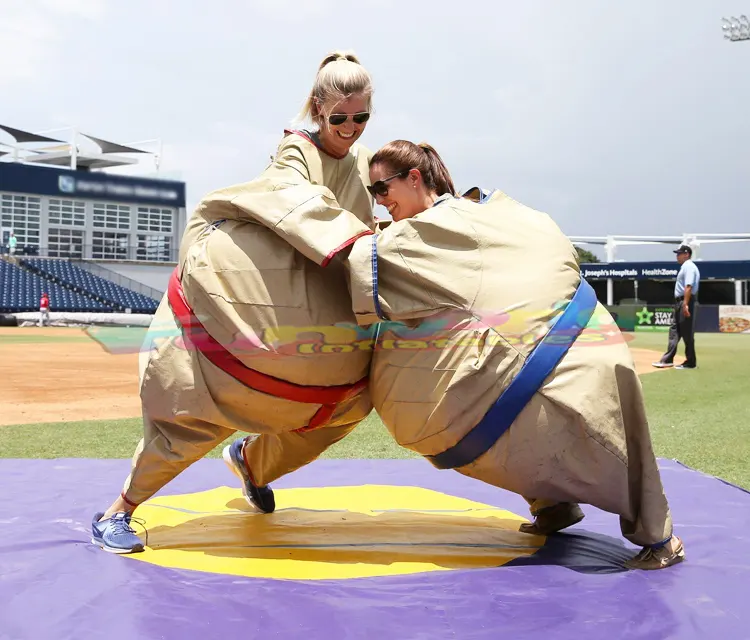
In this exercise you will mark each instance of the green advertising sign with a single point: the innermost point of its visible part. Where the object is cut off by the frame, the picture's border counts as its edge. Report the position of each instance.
(653, 319)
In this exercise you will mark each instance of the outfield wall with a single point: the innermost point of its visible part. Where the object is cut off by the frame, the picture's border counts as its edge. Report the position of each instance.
(723, 282)
(708, 318)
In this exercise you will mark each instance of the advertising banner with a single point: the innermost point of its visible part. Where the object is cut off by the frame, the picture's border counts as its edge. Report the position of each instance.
(624, 316)
(709, 270)
(52, 181)
(653, 318)
(734, 319)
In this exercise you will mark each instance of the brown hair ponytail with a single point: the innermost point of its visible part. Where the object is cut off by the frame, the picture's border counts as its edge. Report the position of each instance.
(402, 155)
(441, 178)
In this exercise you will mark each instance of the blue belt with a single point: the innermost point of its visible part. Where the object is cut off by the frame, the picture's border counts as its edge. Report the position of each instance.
(539, 364)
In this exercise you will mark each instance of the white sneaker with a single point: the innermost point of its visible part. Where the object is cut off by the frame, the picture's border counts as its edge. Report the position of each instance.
(662, 365)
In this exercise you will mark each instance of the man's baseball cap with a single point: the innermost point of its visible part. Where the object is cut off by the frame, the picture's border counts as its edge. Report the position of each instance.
(684, 248)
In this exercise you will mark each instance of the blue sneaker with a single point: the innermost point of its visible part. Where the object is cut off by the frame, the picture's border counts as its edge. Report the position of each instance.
(259, 497)
(115, 534)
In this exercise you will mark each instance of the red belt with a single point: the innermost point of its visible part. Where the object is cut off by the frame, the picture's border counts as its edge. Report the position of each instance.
(194, 331)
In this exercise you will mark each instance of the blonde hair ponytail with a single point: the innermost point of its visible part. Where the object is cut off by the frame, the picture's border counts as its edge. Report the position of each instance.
(340, 75)
(349, 56)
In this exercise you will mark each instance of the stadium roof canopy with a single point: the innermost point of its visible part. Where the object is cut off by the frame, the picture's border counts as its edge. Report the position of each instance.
(25, 148)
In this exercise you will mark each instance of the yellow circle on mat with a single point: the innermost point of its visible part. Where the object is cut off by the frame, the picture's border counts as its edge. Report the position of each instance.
(330, 533)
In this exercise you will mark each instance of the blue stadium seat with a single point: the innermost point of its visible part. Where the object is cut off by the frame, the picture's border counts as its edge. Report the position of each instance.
(108, 293)
(20, 290)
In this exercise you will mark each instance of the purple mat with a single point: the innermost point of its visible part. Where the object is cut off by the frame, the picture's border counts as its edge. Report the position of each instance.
(54, 584)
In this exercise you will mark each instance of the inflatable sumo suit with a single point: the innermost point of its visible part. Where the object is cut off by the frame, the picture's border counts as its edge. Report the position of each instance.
(495, 359)
(235, 344)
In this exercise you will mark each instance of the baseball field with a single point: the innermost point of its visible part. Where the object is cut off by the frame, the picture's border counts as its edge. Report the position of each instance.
(73, 393)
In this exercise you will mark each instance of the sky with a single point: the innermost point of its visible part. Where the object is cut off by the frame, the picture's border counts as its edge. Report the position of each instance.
(622, 118)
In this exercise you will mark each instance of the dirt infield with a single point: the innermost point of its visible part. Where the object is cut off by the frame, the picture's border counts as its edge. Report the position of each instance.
(59, 374)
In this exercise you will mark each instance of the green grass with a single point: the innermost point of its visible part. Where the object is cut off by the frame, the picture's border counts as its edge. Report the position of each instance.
(112, 339)
(118, 438)
(702, 417)
(32, 339)
(699, 417)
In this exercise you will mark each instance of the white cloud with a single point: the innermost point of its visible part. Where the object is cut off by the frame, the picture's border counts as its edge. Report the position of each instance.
(222, 154)
(292, 9)
(592, 111)
(88, 9)
(23, 39)
(32, 30)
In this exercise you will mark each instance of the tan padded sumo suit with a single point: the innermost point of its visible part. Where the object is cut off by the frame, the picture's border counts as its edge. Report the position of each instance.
(244, 299)
(487, 280)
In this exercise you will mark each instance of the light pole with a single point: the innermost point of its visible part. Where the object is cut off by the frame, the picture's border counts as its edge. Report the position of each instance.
(736, 29)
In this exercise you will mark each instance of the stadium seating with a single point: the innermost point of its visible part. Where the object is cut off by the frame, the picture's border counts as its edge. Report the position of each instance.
(20, 290)
(82, 281)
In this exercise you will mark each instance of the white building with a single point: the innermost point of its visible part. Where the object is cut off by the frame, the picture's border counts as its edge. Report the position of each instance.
(60, 202)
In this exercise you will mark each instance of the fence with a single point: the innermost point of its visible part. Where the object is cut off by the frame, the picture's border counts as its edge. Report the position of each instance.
(107, 250)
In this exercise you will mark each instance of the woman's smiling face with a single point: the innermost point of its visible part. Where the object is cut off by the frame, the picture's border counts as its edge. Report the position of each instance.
(337, 139)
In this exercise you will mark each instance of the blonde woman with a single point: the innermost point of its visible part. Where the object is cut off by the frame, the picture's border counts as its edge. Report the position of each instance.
(238, 342)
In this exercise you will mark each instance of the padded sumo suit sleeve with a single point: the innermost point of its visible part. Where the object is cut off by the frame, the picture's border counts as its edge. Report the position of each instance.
(400, 274)
(305, 215)
(243, 277)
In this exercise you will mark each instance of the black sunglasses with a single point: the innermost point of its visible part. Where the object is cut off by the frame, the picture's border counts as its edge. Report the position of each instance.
(380, 188)
(337, 119)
